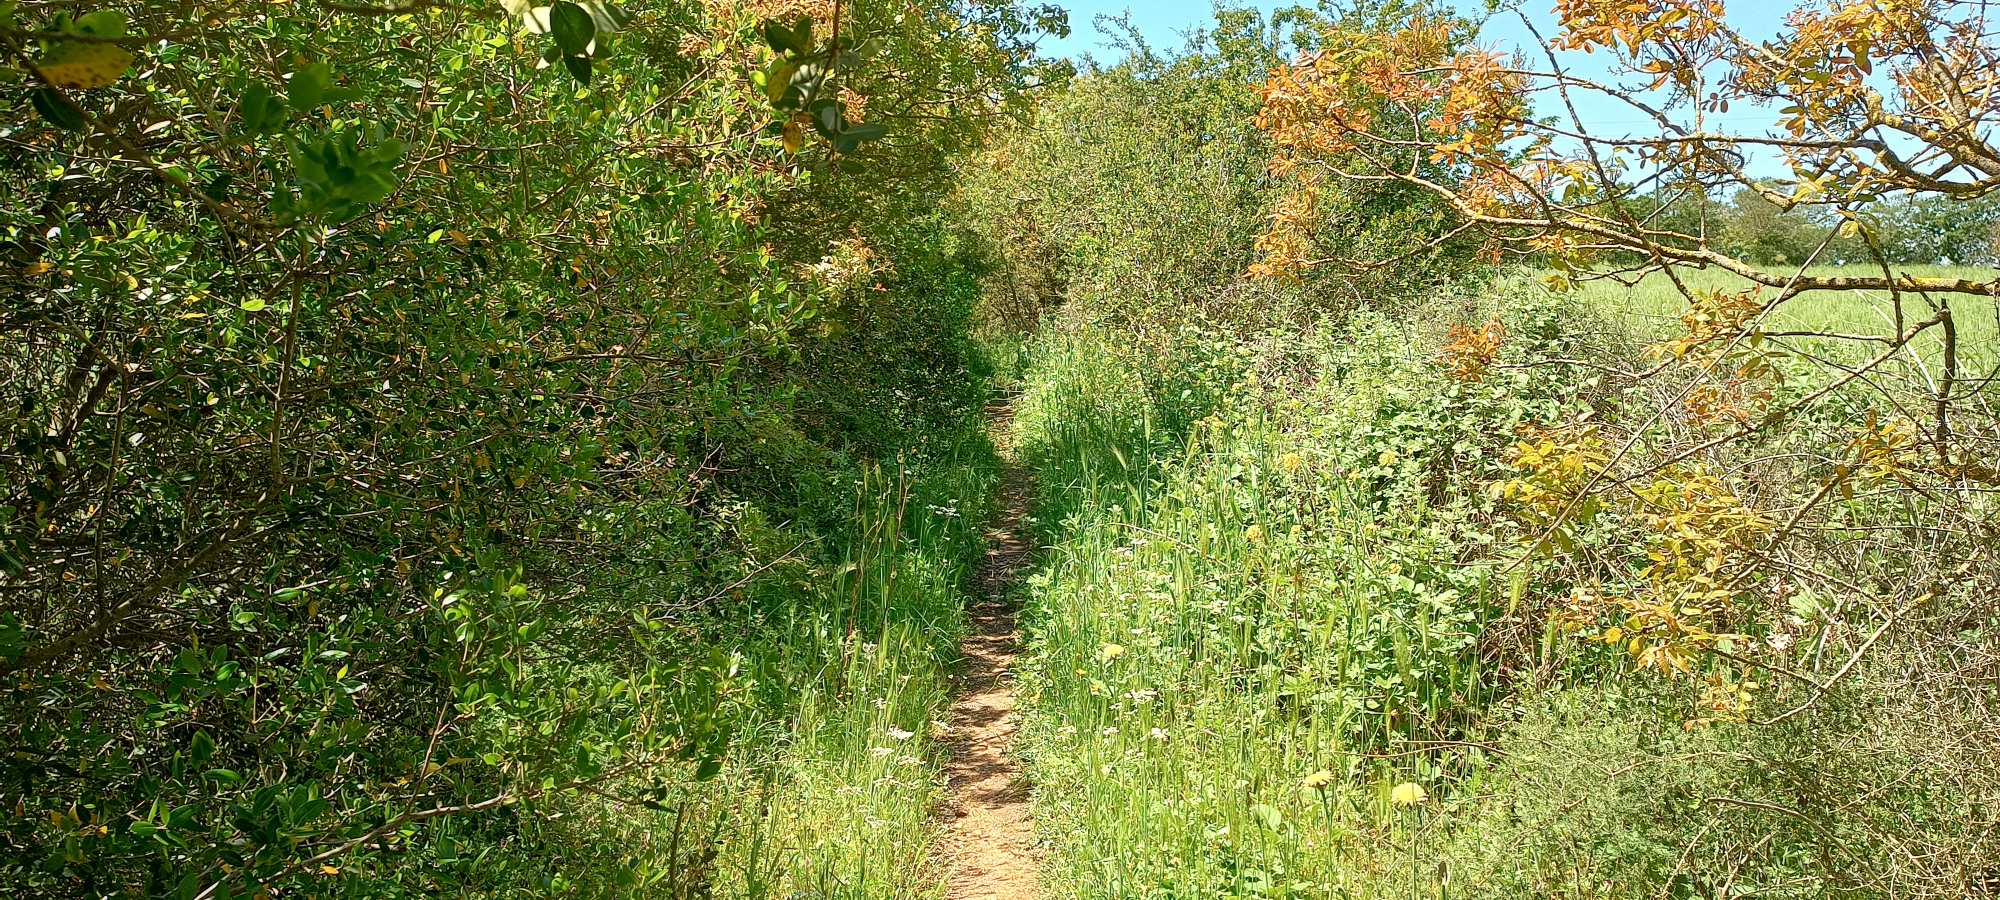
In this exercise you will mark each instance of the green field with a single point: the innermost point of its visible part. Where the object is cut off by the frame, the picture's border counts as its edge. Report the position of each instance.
(1652, 308)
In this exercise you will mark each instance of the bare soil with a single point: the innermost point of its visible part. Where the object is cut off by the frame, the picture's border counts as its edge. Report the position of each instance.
(989, 839)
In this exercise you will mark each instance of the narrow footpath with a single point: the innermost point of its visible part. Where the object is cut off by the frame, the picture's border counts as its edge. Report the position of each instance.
(989, 840)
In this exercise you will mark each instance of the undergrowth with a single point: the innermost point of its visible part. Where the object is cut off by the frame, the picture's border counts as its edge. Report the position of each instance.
(1286, 645)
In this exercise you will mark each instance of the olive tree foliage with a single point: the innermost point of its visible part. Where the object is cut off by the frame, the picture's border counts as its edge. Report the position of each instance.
(374, 378)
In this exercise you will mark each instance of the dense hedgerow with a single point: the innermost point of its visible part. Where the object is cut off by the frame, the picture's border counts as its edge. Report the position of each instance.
(459, 449)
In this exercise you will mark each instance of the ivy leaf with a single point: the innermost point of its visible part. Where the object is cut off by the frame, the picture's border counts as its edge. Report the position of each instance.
(572, 29)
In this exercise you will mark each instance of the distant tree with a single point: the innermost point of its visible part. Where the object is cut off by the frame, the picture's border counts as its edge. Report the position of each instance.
(1940, 229)
(1768, 234)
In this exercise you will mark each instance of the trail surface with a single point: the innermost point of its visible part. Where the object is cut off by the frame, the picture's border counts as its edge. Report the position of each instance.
(989, 839)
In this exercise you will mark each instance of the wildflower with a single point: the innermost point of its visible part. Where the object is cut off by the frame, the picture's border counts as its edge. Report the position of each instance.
(1319, 780)
(1254, 533)
(1158, 734)
(900, 734)
(1409, 793)
(1109, 652)
(1387, 457)
(1290, 462)
(881, 751)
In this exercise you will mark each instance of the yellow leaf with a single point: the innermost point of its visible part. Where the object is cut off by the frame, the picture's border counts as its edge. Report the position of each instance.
(74, 64)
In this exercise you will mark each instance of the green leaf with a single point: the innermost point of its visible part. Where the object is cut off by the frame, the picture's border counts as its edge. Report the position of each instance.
(308, 86)
(802, 34)
(338, 177)
(57, 109)
(102, 23)
(579, 68)
(201, 748)
(573, 30)
(795, 40)
(826, 116)
(778, 77)
(851, 138)
(260, 111)
(865, 133)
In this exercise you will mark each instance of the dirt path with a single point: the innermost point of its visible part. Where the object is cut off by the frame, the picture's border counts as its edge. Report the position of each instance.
(989, 841)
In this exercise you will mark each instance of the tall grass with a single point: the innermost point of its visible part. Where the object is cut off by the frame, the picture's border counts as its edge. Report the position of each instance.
(830, 690)
(1231, 658)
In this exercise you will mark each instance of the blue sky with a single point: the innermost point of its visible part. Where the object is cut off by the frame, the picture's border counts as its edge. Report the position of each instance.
(1163, 23)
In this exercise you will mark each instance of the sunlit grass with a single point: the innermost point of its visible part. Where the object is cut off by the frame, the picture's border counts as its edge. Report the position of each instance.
(1653, 306)
(1226, 645)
